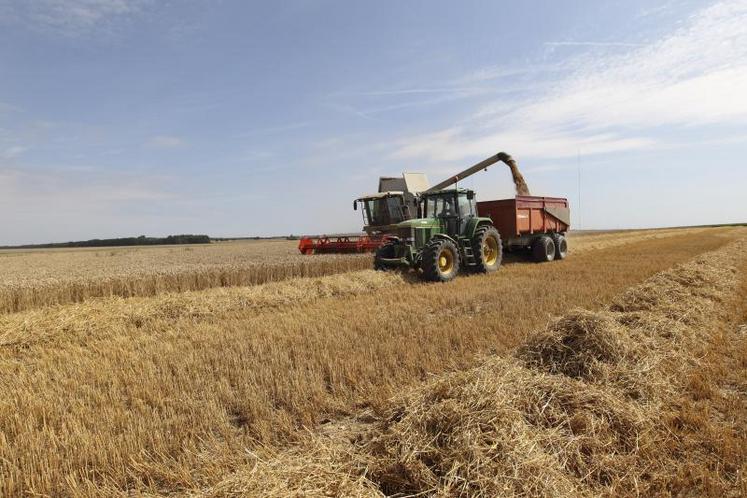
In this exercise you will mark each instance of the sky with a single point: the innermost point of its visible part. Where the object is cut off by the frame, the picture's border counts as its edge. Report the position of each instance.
(241, 118)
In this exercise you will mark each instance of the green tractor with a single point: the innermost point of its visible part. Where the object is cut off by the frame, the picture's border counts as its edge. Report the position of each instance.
(449, 237)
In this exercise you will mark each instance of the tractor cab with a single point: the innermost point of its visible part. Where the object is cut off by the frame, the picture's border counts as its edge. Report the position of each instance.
(453, 208)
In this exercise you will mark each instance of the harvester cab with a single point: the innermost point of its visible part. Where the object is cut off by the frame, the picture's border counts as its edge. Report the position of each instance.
(383, 210)
(396, 201)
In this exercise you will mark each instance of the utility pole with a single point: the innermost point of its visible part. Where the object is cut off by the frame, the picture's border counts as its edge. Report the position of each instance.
(578, 166)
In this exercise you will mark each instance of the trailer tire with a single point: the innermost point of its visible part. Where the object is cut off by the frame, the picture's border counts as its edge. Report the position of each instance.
(487, 249)
(386, 250)
(440, 262)
(561, 246)
(543, 249)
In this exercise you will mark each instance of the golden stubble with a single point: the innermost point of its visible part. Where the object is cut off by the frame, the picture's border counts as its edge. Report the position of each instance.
(171, 392)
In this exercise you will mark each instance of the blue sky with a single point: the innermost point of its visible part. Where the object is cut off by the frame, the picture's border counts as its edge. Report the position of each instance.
(128, 117)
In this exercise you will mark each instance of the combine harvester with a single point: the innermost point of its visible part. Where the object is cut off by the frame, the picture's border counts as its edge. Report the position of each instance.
(396, 201)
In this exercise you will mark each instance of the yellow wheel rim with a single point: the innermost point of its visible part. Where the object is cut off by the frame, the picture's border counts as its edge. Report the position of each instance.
(490, 251)
(446, 261)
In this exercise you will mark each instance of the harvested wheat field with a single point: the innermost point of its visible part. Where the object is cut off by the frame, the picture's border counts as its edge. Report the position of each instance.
(36, 278)
(372, 384)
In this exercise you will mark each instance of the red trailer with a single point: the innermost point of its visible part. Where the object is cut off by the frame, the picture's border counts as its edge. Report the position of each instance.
(531, 222)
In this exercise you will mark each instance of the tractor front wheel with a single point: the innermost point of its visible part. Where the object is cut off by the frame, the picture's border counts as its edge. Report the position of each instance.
(440, 260)
(487, 248)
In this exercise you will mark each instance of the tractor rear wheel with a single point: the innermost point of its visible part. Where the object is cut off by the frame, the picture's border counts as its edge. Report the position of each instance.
(487, 249)
(543, 249)
(440, 260)
(561, 246)
(384, 251)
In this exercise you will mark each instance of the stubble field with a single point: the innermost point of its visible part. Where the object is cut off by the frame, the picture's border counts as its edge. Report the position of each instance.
(367, 383)
(37, 278)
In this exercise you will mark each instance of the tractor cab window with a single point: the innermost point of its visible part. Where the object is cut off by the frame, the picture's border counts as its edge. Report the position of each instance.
(467, 206)
(450, 205)
(440, 206)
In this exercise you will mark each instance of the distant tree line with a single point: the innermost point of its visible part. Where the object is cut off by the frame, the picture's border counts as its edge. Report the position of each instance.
(257, 237)
(122, 241)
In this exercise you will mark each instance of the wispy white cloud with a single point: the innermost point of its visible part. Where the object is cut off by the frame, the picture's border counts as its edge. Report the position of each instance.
(166, 142)
(83, 187)
(693, 77)
(5, 107)
(591, 44)
(508, 73)
(12, 152)
(275, 129)
(457, 143)
(381, 101)
(68, 17)
(478, 84)
(416, 91)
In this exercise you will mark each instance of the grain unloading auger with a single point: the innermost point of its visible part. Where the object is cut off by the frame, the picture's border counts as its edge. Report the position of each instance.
(521, 186)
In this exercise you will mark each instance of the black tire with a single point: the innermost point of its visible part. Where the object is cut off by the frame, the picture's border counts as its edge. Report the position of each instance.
(487, 248)
(561, 246)
(440, 262)
(385, 250)
(543, 249)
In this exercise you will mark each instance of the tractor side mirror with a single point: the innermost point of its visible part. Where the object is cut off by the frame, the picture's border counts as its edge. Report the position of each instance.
(470, 195)
(355, 205)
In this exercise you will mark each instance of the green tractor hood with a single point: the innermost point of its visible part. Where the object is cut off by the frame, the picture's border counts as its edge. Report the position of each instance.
(418, 223)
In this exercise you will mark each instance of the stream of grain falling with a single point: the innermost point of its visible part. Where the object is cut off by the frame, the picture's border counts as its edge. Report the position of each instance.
(519, 182)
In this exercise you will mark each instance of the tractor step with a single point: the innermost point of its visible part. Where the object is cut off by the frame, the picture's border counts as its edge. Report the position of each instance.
(469, 255)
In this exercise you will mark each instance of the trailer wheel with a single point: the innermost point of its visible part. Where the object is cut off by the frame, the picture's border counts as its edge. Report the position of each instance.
(440, 261)
(384, 251)
(561, 246)
(543, 249)
(487, 249)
